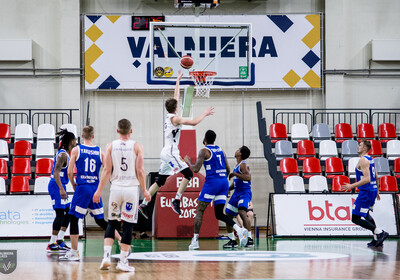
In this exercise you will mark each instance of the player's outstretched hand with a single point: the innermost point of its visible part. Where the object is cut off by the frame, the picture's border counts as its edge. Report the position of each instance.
(180, 75)
(147, 196)
(346, 187)
(209, 111)
(96, 197)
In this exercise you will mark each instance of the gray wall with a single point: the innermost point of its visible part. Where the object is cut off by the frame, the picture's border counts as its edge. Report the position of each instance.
(54, 26)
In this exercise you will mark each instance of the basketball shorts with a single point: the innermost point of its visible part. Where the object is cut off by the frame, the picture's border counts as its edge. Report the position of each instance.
(364, 202)
(238, 199)
(171, 161)
(214, 190)
(123, 204)
(82, 202)
(56, 201)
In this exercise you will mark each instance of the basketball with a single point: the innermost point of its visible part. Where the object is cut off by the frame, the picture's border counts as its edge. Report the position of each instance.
(186, 61)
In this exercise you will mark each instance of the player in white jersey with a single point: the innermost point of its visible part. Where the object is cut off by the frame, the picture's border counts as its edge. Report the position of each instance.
(171, 161)
(124, 164)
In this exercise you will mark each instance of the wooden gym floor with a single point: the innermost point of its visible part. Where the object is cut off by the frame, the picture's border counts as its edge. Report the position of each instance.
(170, 259)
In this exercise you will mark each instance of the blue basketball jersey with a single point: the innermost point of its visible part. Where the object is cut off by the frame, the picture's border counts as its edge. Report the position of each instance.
(372, 184)
(63, 171)
(239, 184)
(215, 166)
(88, 165)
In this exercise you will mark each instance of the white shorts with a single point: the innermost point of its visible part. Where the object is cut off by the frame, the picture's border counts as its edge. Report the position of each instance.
(123, 204)
(171, 161)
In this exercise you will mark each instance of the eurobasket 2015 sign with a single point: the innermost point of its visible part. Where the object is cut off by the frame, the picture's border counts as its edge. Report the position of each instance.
(285, 50)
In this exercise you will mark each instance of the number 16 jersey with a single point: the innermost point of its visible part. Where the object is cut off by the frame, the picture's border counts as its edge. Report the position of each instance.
(88, 164)
(124, 158)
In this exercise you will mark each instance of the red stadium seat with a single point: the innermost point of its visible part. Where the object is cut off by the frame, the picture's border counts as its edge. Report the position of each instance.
(21, 166)
(376, 149)
(333, 167)
(305, 148)
(5, 132)
(22, 148)
(289, 167)
(338, 181)
(386, 132)
(3, 169)
(311, 167)
(43, 167)
(277, 131)
(343, 131)
(396, 168)
(19, 184)
(365, 131)
(388, 184)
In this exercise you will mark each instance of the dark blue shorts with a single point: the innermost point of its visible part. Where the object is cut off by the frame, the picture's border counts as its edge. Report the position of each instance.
(82, 202)
(56, 201)
(364, 202)
(238, 199)
(215, 190)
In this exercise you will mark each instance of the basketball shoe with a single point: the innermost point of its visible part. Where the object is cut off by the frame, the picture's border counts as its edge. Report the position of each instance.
(105, 264)
(250, 242)
(53, 248)
(143, 211)
(243, 237)
(231, 244)
(381, 237)
(194, 245)
(176, 206)
(71, 256)
(125, 267)
(63, 247)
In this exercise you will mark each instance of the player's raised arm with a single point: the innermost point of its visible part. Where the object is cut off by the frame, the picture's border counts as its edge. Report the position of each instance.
(72, 161)
(179, 120)
(105, 175)
(176, 92)
(140, 173)
(203, 155)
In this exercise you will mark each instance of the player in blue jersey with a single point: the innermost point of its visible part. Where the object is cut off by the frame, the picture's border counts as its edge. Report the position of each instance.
(88, 160)
(57, 190)
(368, 184)
(241, 198)
(216, 187)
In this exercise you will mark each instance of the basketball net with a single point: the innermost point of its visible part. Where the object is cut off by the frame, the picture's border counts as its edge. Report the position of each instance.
(203, 81)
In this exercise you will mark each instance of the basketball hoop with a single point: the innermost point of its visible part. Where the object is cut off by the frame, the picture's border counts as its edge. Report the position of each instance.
(203, 81)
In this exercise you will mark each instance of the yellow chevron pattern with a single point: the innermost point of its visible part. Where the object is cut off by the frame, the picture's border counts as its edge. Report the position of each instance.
(91, 55)
(313, 37)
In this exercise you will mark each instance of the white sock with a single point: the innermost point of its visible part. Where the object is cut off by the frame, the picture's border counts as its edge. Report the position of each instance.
(237, 228)
(196, 236)
(61, 234)
(74, 251)
(178, 196)
(107, 251)
(123, 256)
(378, 231)
(231, 235)
(145, 202)
(249, 234)
(53, 239)
(375, 237)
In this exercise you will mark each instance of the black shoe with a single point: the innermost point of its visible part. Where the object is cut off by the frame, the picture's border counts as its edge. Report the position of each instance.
(250, 242)
(372, 243)
(380, 238)
(231, 244)
(143, 211)
(144, 235)
(176, 206)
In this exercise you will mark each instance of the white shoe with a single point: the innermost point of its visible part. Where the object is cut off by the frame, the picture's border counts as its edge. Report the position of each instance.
(125, 267)
(194, 245)
(71, 256)
(105, 264)
(243, 237)
(130, 249)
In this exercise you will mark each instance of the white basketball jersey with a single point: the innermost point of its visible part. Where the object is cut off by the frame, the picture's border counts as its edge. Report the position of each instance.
(171, 133)
(124, 158)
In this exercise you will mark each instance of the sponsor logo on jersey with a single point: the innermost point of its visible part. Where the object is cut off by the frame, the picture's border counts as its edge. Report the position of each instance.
(128, 206)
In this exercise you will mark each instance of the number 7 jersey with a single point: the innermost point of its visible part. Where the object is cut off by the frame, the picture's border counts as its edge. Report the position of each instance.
(124, 164)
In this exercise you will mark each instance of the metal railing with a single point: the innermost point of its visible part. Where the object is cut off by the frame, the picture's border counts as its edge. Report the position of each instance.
(35, 117)
(333, 116)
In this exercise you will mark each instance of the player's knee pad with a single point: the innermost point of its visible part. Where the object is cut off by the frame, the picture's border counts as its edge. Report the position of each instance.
(126, 237)
(187, 173)
(101, 223)
(73, 226)
(219, 211)
(161, 180)
(110, 230)
(58, 221)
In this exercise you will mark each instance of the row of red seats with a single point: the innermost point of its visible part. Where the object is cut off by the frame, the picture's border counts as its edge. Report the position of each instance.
(343, 131)
(22, 166)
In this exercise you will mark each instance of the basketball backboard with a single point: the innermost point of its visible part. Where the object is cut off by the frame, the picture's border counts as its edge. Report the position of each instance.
(220, 47)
